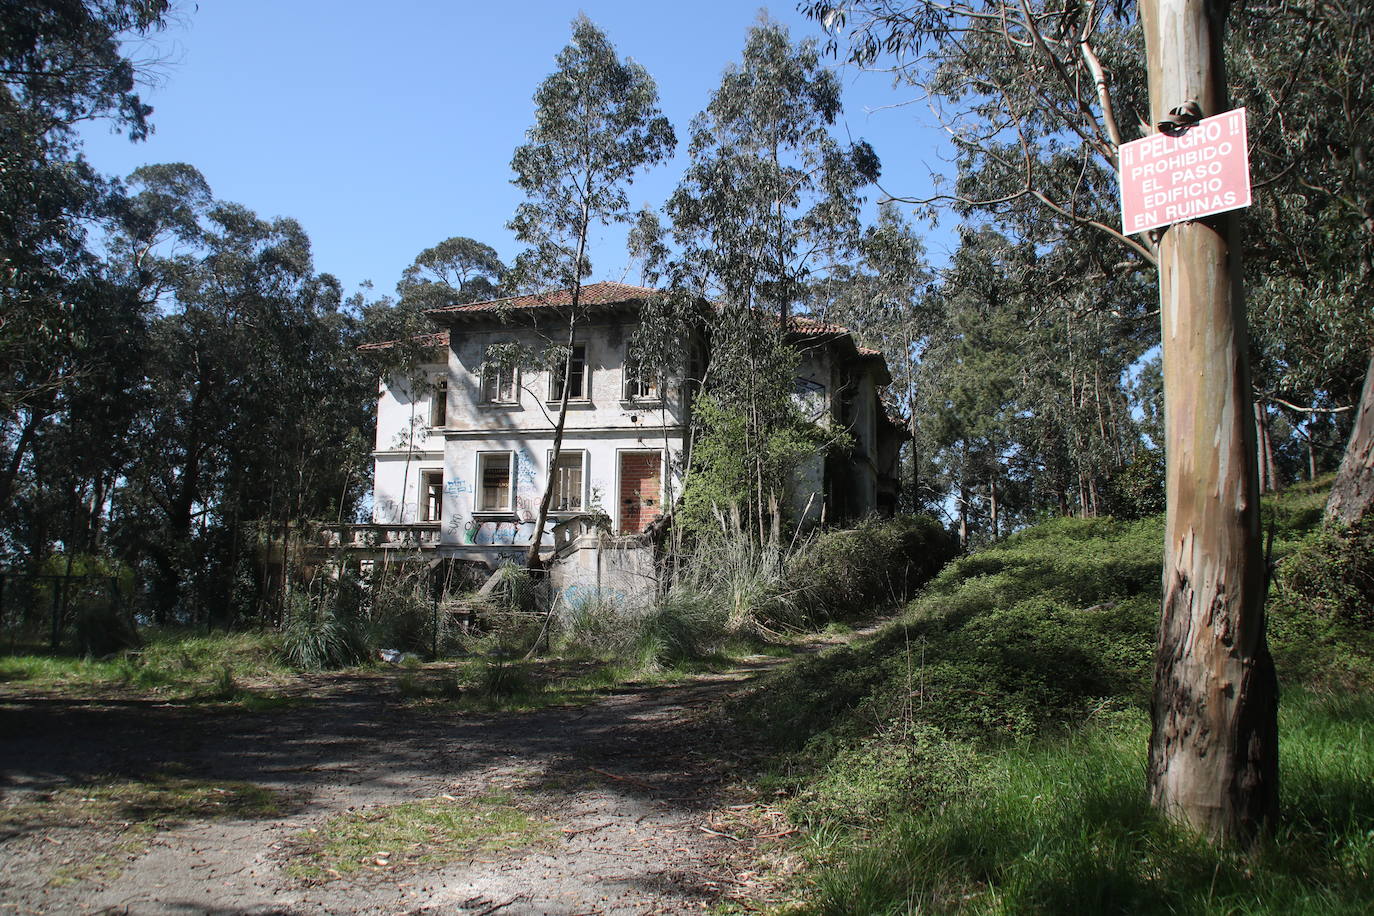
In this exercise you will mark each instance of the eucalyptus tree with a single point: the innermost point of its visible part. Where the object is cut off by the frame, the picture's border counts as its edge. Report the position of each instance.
(455, 271)
(768, 204)
(885, 301)
(1045, 92)
(596, 125)
(251, 400)
(62, 62)
(1302, 70)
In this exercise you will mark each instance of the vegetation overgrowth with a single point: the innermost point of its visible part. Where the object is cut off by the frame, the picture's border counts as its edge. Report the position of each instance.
(175, 663)
(432, 831)
(986, 751)
(728, 598)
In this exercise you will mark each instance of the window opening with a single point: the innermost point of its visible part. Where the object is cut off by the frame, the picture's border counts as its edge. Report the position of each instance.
(495, 475)
(432, 496)
(577, 376)
(638, 385)
(498, 383)
(567, 482)
(438, 406)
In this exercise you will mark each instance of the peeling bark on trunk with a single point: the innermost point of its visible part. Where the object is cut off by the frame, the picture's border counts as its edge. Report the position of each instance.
(1214, 746)
(1353, 490)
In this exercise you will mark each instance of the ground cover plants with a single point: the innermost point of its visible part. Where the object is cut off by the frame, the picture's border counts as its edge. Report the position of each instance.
(244, 668)
(430, 831)
(985, 752)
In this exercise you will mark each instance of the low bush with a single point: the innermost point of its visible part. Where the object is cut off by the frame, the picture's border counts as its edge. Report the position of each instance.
(320, 638)
(855, 572)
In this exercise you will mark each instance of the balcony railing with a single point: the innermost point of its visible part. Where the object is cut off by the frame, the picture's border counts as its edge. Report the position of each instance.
(559, 535)
(414, 535)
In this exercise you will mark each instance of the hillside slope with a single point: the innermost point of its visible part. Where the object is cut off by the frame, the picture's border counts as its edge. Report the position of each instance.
(985, 752)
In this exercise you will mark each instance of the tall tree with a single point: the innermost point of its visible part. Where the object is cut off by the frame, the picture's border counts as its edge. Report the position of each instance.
(768, 205)
(596, 124)
(251, 401)
(1304, 70)
(1047, 93)
(455, 271)
(61, 62)
(1214, 745)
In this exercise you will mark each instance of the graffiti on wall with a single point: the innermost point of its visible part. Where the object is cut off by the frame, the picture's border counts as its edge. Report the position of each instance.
(504, 533)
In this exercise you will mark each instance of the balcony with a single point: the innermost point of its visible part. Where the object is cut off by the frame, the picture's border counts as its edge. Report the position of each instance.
(408, 536)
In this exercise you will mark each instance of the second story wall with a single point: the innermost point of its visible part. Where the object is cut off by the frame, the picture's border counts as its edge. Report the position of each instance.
(527, 398)
(409, 411)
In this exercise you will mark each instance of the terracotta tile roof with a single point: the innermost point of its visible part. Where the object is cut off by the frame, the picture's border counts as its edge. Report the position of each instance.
(868, 351)
(439, 339)
(799, 324)
(604, 293)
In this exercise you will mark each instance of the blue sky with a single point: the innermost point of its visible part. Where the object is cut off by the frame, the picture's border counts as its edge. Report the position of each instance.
(384, 129)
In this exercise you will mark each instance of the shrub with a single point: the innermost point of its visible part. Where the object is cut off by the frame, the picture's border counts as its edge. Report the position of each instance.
(1321, 611)
(1332, 577)
(848, 574)
(684, 626)
(320, 635)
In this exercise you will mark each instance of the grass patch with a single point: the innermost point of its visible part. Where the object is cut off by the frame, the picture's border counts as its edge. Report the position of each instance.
(1065, 826)
(433, 831)
(238, 669)
(159, 803)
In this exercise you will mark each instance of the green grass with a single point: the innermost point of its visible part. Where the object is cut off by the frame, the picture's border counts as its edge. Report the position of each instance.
(985, 753)
(231, 668)
(1064, 826)
(431, 832)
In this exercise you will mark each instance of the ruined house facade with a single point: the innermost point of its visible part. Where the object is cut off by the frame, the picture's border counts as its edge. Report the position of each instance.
(464, 443)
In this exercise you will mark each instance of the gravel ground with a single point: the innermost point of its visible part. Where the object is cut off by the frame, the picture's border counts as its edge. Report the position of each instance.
(637, 791)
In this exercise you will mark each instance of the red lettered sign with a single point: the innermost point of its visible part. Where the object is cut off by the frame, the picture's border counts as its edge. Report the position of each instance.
(1202, 171)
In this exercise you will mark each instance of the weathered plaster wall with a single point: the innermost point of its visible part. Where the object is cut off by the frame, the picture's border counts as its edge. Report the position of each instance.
(532, 448)
(401, 400)
(607, 345)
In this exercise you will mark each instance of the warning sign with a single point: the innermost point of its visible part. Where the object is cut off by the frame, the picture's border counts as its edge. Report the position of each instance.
(1202, 171)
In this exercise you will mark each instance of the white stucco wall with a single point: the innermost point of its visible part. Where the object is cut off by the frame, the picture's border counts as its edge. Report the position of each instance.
(462, 526)
(404, 403)
(607, 345)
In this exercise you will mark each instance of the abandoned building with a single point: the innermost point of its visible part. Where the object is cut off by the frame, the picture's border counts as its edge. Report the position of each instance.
(464, 443)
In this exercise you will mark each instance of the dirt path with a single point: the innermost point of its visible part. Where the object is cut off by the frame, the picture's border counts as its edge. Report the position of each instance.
(632, 789)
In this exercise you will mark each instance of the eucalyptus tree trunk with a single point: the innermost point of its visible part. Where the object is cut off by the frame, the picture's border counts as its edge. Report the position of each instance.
(1214, 746)
(1353, 490)
(533, 560)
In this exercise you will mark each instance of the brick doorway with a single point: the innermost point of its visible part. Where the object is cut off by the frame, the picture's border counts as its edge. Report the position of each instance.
(641, 489)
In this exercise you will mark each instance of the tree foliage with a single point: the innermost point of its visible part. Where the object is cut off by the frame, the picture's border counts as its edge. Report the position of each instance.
(769, 204)
(596, 125)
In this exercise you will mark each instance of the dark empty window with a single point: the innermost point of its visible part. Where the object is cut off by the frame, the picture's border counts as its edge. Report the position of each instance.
(577, 376)
(438, 405)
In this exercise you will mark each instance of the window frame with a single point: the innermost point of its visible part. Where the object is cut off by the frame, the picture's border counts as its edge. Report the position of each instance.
(556, 372)
(438, 403)
(585, 475)
(633, 383)
(427, 476)
(479, 504)
(511, 374)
